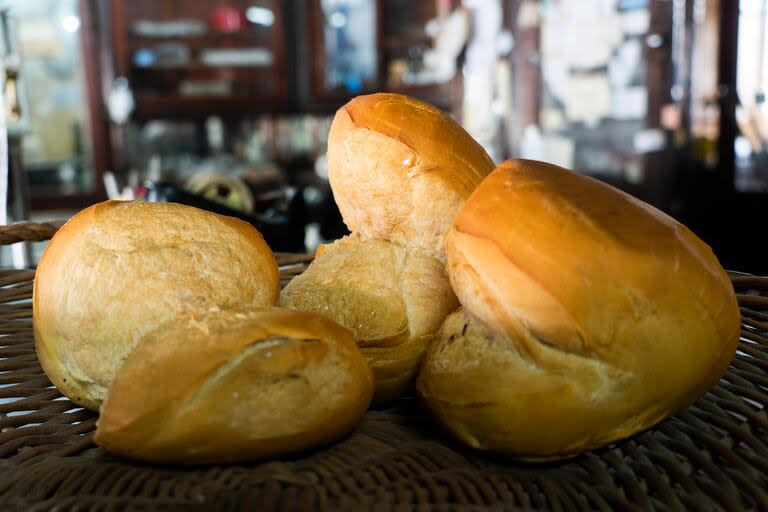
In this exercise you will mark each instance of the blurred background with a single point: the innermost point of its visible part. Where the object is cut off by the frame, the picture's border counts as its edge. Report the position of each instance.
(226, 104)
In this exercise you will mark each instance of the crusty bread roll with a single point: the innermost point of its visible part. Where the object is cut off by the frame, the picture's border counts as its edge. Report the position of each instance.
(400, 169)
(117, 270)
(587, 316)
(235, 385)
(393, 300)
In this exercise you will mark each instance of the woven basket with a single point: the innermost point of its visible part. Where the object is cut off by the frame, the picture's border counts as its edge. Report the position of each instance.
(712, 456)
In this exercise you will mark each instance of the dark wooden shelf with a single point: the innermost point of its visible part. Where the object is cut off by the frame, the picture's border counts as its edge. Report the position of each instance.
(53, 200)
(255, 88)
(405, 42)
(198, 44)
(152, 106)
(210, 37)
(196, 66)
(298, 85)
(441, 95)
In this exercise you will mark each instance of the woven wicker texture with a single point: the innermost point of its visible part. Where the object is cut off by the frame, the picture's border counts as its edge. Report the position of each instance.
(712, 456)
(28, 231)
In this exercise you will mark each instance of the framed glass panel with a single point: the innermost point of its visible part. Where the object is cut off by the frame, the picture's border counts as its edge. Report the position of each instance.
(349, 42)
(53, 116)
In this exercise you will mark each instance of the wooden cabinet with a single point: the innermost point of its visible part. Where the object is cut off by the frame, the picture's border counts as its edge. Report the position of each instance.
(60, 135)
(198, 57)
(396, 32)
(236, 58)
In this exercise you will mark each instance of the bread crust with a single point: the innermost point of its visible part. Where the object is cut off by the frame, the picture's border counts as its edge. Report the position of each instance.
(401, 168)
(235, 385)
(599, 315)
(392, 300)
(118, 270)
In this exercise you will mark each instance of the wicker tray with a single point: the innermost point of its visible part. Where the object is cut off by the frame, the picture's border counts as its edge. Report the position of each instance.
(712, 456)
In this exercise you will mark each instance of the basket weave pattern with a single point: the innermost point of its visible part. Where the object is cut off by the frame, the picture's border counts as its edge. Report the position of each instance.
(713, 455)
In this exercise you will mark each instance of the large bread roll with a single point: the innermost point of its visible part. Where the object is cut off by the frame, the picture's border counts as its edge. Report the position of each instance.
(587, 316)
(393, 301)
(400, 169)
(235, 385)
(118, 270)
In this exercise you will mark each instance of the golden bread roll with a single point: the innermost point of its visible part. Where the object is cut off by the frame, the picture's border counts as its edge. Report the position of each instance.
(587, 316)
(400, 169)
(392, 300)
(118, 270)
(235, 385)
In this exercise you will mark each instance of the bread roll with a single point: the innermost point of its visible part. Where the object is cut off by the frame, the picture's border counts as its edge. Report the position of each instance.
(400, 169)
(235, 385)
(587, 316)
(391, 299)
(118, 270)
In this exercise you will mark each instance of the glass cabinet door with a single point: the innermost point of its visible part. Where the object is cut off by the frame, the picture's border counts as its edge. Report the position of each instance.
(349, 43)
(53, 115)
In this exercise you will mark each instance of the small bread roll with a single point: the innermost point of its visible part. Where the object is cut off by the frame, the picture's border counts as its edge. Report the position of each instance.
(393, 301)
(587, 316)
(400, 169)
(118, 270)
(235, 385)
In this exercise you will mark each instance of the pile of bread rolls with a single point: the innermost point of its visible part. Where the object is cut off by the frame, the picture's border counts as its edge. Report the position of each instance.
(163, 317)
(538, 313)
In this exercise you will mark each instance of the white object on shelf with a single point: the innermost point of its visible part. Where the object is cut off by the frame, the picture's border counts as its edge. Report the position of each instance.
(625, 63)
(243, 57)
(589, 98)
(480, 68)
(558, 150)
(630, 103)
(636, 22)
(450, 34)
(176, 28)
(258, 15)
(197, 88)
(110, 185)
(647, 141)
(120, 102)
